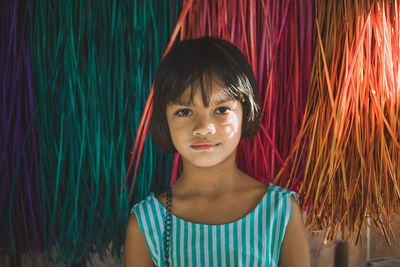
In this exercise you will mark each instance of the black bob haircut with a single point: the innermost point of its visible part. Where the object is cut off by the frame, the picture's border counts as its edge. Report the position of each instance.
(195, 63)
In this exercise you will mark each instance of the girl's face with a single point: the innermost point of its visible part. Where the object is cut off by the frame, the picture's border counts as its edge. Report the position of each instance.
(219, 125)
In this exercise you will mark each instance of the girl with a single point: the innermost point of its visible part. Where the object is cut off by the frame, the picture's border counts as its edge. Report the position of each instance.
(205, 101)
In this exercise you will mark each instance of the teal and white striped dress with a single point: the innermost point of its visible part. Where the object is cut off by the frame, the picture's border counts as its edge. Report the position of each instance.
(253, 240)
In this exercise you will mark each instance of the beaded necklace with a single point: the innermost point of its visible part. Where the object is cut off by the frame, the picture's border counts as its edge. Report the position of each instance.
(167, 226)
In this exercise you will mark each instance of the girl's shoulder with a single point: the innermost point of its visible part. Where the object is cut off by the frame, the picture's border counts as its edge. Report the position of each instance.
(282, 190)
(146, 203)
(283, 193)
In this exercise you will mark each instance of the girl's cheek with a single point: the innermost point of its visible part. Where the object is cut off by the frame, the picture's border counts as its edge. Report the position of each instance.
(178, 125)
(228, 119)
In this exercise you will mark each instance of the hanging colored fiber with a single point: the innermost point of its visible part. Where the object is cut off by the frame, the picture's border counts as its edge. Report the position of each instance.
(93, 63)
(163, 168)
(21, 227)
(352, 119)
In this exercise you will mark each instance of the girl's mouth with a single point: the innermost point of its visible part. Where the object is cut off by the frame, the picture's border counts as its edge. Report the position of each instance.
(204, 147)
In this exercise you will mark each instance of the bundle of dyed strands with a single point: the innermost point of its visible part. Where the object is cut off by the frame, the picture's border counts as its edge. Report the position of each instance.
(350, 137)
(21, 212)
(74, 80)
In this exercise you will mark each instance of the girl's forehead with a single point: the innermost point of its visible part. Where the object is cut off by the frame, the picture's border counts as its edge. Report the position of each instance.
(217, 95)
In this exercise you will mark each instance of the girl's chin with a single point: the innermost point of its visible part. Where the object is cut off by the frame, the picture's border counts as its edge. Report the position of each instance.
(205, 161)
(205, 165)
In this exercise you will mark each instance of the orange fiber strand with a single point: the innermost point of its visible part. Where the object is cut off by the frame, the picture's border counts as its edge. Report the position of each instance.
(352, 133)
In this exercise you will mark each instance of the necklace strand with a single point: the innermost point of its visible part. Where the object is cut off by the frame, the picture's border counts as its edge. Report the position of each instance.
(167, 226)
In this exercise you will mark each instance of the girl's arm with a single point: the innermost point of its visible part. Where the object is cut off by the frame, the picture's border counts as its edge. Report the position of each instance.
(295, 250)
(136, 252)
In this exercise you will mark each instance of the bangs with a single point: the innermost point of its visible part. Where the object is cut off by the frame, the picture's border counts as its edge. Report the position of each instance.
(198, 64)
(207, 83)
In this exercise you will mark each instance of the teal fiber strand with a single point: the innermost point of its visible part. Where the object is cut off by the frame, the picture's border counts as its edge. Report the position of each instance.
(93, 65)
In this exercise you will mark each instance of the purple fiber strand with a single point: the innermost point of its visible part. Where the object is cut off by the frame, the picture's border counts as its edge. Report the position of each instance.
(29, 110)
(34, 143)
(15, 79)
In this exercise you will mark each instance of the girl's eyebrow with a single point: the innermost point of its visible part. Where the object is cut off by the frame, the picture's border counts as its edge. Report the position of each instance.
(217, 101)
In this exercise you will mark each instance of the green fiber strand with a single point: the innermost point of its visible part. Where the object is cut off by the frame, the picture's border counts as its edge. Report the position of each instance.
(93, 64)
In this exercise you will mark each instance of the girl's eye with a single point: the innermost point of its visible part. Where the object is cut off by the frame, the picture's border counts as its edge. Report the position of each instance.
(223, 110)
(183, 112)
(188, 112)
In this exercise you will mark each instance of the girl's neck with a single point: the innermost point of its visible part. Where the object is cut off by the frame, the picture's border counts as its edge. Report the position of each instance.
(210, 181)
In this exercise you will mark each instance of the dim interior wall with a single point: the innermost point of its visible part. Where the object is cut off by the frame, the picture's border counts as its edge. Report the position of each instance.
(323, 255)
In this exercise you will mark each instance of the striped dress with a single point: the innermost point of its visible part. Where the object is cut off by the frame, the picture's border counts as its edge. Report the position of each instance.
(253, 240)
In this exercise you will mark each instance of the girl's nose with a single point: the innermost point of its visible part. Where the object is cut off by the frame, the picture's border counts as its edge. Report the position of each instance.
(204, 127)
